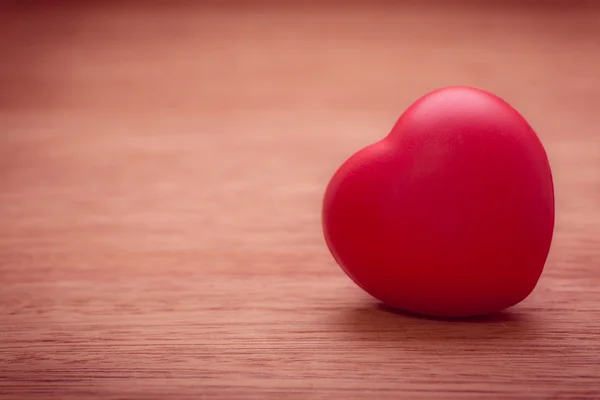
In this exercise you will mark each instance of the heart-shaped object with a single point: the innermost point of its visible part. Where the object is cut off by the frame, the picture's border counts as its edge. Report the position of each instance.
(451, 214)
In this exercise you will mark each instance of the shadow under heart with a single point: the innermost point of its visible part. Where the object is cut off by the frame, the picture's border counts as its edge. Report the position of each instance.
(372, 321)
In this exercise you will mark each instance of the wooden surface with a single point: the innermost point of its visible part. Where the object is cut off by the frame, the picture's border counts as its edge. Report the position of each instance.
(161, 172)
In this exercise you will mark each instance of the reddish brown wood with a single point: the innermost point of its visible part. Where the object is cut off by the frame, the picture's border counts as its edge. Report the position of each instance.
(162, 169)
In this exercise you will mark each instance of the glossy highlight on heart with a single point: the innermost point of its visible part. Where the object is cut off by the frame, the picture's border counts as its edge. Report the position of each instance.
(449, 215)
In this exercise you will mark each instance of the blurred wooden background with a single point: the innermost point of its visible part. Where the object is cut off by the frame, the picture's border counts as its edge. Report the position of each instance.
(161, 172)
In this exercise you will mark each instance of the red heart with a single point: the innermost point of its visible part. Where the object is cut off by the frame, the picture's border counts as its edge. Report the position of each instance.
(451, 214)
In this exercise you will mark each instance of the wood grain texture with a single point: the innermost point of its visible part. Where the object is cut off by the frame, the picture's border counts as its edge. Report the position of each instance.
(161, 173)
